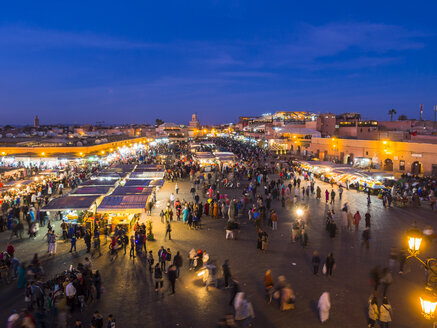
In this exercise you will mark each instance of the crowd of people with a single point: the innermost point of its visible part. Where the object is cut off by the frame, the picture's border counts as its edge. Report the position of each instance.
(251, 190)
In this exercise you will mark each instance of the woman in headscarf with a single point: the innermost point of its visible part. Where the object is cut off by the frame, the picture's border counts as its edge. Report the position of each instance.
(243, 310)
(215, 210)
(324, 306)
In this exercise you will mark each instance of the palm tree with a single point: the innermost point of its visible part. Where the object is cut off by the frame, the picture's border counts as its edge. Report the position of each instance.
(392, 112)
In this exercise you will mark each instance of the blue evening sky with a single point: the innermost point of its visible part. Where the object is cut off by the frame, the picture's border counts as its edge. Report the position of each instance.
(135, 61)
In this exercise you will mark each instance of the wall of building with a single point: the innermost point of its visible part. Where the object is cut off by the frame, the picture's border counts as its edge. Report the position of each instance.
(379, 151)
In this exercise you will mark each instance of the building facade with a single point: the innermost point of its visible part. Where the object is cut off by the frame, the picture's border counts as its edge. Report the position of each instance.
(402, 157)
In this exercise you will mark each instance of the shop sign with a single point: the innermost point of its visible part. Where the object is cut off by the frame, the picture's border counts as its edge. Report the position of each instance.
(416, 155)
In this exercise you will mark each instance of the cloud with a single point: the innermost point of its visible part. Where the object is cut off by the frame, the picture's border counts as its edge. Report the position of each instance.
(24, 36)
(315, 44)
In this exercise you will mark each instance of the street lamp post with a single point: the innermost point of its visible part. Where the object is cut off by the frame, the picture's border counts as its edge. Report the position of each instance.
(428, 300)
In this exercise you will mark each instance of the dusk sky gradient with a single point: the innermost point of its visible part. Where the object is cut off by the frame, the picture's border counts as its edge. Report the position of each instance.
(135, 61)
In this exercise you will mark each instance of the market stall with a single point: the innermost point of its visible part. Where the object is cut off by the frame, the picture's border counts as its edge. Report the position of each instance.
(206, 160)
(347, 176)
(121, 210)
(225, 159)
(73, 208)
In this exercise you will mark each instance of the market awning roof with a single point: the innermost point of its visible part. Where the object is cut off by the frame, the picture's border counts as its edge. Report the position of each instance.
(125, 204)
(119, 191)
(138, 183)
(91, 190)
(109, 175)
(99, 182)
(149, 168)
(78, 203)
(146, 175)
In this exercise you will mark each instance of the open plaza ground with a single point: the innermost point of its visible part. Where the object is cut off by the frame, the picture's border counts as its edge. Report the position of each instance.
(129, 289)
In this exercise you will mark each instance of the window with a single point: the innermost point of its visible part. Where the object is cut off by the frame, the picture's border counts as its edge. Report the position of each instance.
(367, 153)
(361, 130)
(401, 165)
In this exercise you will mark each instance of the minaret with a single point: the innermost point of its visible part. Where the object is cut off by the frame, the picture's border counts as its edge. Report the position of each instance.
(36, 122)
(194, 123)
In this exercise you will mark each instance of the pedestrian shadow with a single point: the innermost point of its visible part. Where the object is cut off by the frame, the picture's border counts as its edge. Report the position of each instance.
(314, 308)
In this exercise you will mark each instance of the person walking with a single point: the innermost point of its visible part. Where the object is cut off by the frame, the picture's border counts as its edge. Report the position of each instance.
(357, 219)
(315, 262)
(162, 254)
(52, 243)
(366, 238)
(73, 243)
(330, 263)
(386, 281)
(159, 281)
(274, 218)
(326, 195)
(132, 247)
(97, 320)
(243, 310)
(332, 196)
(111, 321)
(226, 273)
(176, 188)
(168, 231)
(340, 192)
(177, 261)
(373, 312)
(385, 313)
(367, 219)
(151, 261)
(324, 306)
(172, 275)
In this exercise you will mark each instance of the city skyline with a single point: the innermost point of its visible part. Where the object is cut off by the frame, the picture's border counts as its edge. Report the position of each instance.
(219, 59)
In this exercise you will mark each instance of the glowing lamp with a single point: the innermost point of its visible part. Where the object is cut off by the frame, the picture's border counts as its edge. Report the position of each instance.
(414, 236)
(428, 302)
(299, 212)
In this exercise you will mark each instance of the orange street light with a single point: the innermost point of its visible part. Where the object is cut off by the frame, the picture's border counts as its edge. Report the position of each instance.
(428, 302)
(414, 236)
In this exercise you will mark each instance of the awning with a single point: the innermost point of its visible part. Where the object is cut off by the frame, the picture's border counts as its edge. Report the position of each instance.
(123, 204)
(77, 203)
(121, 191)
(99, 182)
(138, 183)
(149, 168)
(91, 190)
(146, 175)
(109, 175)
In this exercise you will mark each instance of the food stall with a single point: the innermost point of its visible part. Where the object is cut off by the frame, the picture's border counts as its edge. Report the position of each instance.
(225, 159)
(122, 209)
(347, 176)
(73, 208)
(206, 160)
